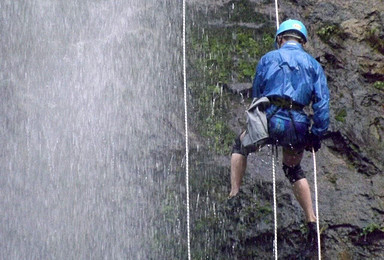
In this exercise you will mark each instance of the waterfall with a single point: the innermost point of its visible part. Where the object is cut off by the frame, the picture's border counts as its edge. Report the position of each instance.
(91, 96)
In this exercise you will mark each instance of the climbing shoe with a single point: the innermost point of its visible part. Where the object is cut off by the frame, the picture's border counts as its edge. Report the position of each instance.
(235, 201)
(311, 245)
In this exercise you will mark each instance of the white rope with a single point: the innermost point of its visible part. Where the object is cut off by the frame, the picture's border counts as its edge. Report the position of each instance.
(273, 165)
(277, 14)
(316, 202)
(274, 203)
(315, 178)
(186, 137)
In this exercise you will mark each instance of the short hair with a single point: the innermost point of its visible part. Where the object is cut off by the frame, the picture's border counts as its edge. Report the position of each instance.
(293, 34)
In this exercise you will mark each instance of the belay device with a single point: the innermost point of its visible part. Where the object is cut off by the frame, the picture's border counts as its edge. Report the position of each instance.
(257, 125)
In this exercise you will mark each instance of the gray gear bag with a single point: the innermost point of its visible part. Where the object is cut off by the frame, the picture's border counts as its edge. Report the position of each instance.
(257, 125)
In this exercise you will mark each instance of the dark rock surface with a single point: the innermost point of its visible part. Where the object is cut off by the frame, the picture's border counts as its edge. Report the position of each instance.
(347, 38)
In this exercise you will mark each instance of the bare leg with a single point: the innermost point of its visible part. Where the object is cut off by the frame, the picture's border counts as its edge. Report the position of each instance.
(303, 196)
(238, 166)
(300, 188)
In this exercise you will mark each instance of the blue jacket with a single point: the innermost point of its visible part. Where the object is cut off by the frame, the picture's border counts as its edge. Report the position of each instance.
(290, 72)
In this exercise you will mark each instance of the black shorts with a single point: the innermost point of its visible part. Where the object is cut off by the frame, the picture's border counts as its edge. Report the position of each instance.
(239, 148)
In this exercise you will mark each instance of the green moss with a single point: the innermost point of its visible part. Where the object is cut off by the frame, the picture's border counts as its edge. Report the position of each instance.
(222, 55)
(243, 11)
(374, 40)
(326, 32)
(332, 178)
(373, 227)
(249, 50)
(226, 53)
(264, 210)
(379, 85)
(341, 115)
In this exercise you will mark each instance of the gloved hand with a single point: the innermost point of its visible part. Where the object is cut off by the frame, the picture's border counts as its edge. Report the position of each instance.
(313, 141)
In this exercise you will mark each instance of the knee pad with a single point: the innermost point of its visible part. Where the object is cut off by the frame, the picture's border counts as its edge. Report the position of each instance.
(293, 173)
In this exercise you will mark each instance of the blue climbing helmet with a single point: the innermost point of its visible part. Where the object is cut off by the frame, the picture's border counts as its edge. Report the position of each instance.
(292, 25)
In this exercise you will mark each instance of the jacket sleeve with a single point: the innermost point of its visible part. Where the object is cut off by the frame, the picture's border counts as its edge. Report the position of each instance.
(320, 103)
(258, 81)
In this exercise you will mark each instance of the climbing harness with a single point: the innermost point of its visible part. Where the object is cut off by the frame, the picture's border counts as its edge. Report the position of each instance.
(287, 104)
(186, 137)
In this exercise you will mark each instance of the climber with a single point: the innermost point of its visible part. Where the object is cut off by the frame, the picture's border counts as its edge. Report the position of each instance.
(291, 79)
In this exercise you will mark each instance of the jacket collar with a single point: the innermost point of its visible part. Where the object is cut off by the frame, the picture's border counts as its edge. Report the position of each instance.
(292, 45)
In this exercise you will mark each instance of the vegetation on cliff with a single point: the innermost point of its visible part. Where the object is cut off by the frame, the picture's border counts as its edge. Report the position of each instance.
(222, 55)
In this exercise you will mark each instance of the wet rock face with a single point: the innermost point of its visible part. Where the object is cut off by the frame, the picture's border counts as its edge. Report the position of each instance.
(347, 38)
(349, 45)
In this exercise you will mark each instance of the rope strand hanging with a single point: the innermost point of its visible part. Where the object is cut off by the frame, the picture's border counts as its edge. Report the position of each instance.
(277, 14)
(186, 137)
(274, 180)
(274, 201)
(316, 203)
(273, 169)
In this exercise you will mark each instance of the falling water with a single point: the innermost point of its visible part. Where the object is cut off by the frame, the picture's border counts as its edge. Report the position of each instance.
(91, 97)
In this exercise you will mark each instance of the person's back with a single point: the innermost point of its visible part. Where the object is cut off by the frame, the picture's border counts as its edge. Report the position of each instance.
(288, 72)
(292, 74)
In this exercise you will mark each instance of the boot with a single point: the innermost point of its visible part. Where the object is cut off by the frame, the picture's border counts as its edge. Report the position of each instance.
(311, 245)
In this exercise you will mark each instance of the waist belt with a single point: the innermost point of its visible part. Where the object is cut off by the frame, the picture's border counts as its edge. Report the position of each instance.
(285, 103)
(288, 104)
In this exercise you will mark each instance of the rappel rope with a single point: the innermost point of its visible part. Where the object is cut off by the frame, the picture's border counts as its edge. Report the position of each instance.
(274, 180)
(273, 167)
(277, 14)
(186, 137)
(316, 203)
(274, 202)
